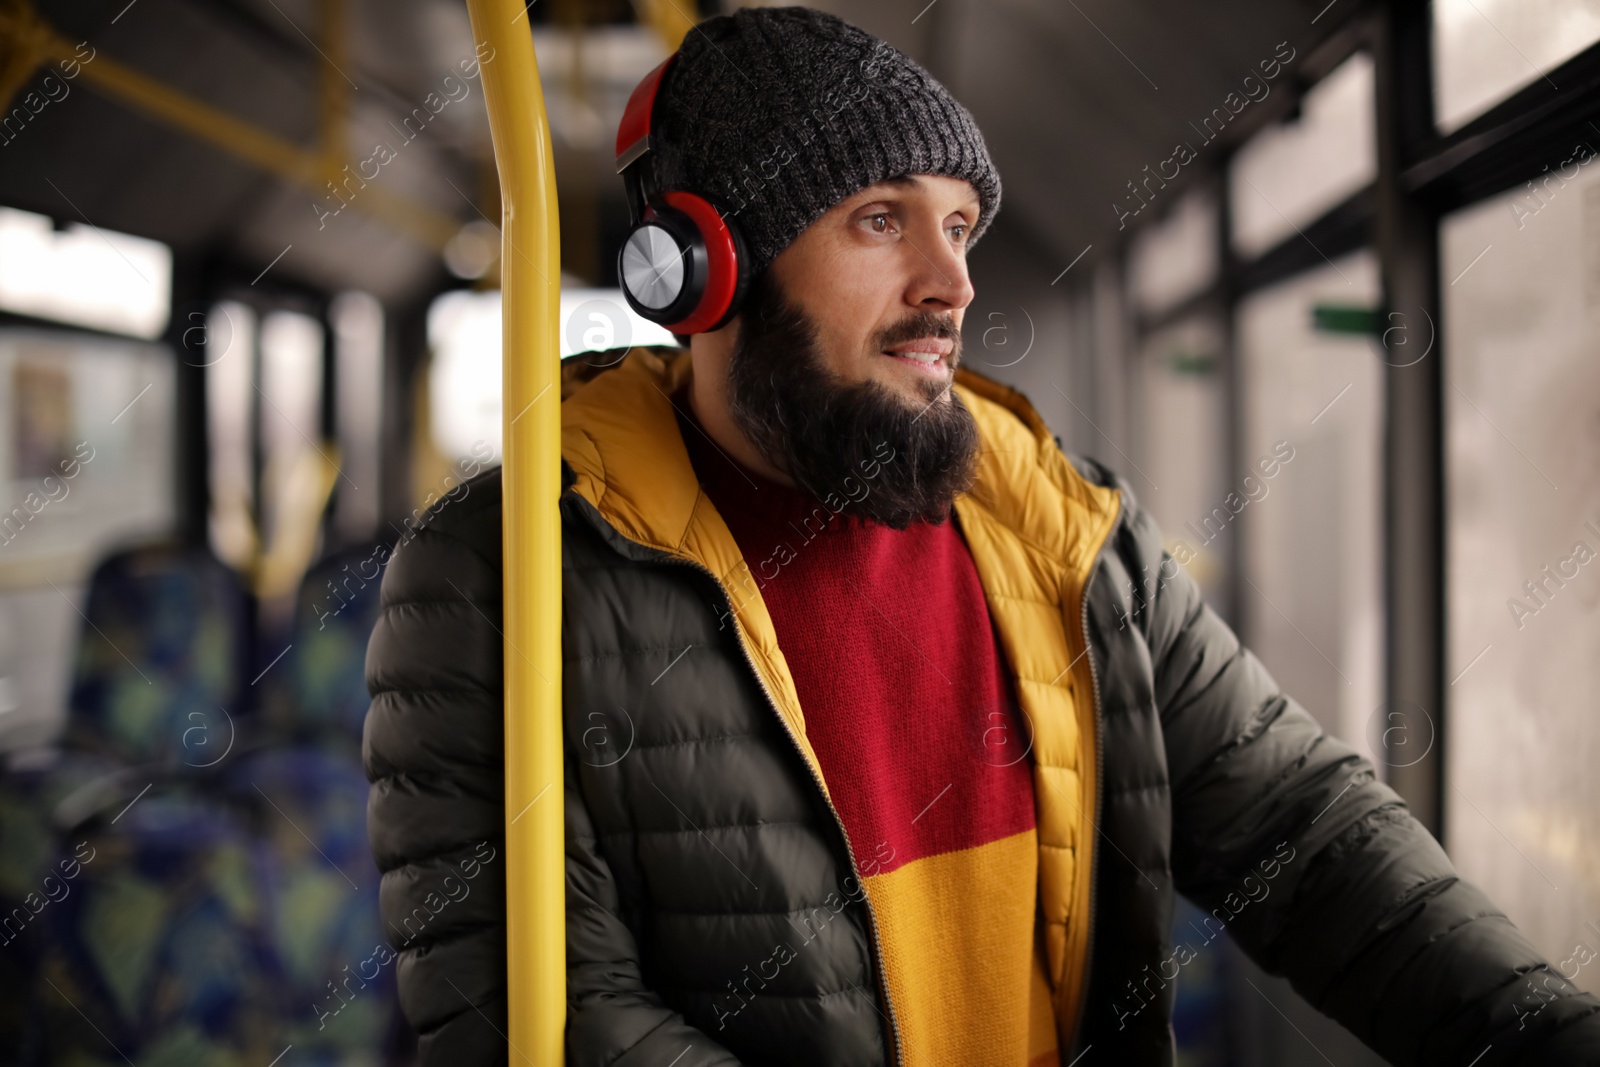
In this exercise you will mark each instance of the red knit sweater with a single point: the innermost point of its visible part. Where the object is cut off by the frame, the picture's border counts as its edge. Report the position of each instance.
(912, 714)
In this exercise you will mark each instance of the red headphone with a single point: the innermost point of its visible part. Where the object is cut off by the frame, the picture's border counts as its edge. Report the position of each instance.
(684, 264)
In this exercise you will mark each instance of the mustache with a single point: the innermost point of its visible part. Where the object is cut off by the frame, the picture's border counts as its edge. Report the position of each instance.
(919, 325)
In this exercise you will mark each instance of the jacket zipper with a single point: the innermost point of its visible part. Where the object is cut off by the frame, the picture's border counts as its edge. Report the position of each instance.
(850, 851)
(1099, 788)
(1094, 854)
(855, 870)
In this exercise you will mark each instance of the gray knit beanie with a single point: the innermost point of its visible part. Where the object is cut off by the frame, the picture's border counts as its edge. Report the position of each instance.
(781, 113)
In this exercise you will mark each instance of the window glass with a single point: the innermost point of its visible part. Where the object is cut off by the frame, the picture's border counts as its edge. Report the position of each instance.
(229, 359)
(1289, 174)
(464, 373)
(1309, 499)
(1182, 416)
(464, 337)
(1521, 287)
(291, 401)
(1484, 50)
(1175, 258)
(291, 382)
(86, 465)
(357, 320)
(299, 473)
(84, 275)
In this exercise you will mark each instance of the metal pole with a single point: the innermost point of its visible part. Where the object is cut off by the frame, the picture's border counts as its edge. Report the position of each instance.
(530, 267)
(1414, 474)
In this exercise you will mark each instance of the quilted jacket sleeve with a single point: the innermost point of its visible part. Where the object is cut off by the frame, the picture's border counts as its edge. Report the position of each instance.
(1367, 917)
(433, 753)
(432, 749)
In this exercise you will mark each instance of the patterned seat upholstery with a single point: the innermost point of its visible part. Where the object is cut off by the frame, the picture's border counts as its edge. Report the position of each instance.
(33, 871)
(1201, 1019)
(154, 952)
(309, 796)
(333, 978)
(232, 910)
(160, 658)
(319, 690)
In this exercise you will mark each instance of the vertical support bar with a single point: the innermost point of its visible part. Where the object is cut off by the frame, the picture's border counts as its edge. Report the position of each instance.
(531, 479)
(1413, 445)
(1236, 607)
(1113, 339)
(190, 354)
(328, 418)
(405, 344)
(257, 438)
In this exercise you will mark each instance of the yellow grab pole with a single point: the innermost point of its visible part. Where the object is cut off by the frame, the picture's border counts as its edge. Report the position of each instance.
(530, 271)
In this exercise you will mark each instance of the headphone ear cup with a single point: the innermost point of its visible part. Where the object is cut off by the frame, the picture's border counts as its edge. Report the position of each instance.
(741, 267)
(686, 266)
(661, 266)
(721, 258)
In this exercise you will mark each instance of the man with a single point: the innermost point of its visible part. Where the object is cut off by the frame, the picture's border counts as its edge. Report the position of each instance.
(890, 731)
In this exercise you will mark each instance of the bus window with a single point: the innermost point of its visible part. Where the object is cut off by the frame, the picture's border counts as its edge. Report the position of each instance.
(1484, 49)
(86, 465)
(1522, 426)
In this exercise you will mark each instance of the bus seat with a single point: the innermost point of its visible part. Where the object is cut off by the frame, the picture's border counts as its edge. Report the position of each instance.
(335, 963)
(156, 939)
(160, 655)
(322, 694)
(308, 794)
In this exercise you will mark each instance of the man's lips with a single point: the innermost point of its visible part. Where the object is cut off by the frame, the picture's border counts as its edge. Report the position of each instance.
(938, 346)
(928, 354)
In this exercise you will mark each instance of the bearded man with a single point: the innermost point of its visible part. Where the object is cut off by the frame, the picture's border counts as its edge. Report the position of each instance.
(890, 730)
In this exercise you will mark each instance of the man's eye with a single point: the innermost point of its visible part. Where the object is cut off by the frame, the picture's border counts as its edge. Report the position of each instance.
(888, 227)
(961, 236)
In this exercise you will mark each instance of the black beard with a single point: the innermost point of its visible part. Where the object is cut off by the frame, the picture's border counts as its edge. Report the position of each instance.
(821, 432)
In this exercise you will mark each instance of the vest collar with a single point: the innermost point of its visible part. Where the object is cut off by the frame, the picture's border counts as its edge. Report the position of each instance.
(620, 436)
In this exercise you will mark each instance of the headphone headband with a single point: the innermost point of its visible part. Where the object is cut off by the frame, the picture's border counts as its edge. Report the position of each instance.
(633, 134)
(633, 139)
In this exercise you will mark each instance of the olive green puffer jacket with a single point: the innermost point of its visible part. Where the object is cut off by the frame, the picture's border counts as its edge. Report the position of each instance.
(697, 829)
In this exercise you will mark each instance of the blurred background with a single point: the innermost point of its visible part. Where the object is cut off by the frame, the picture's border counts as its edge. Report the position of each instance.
(1321, 279)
